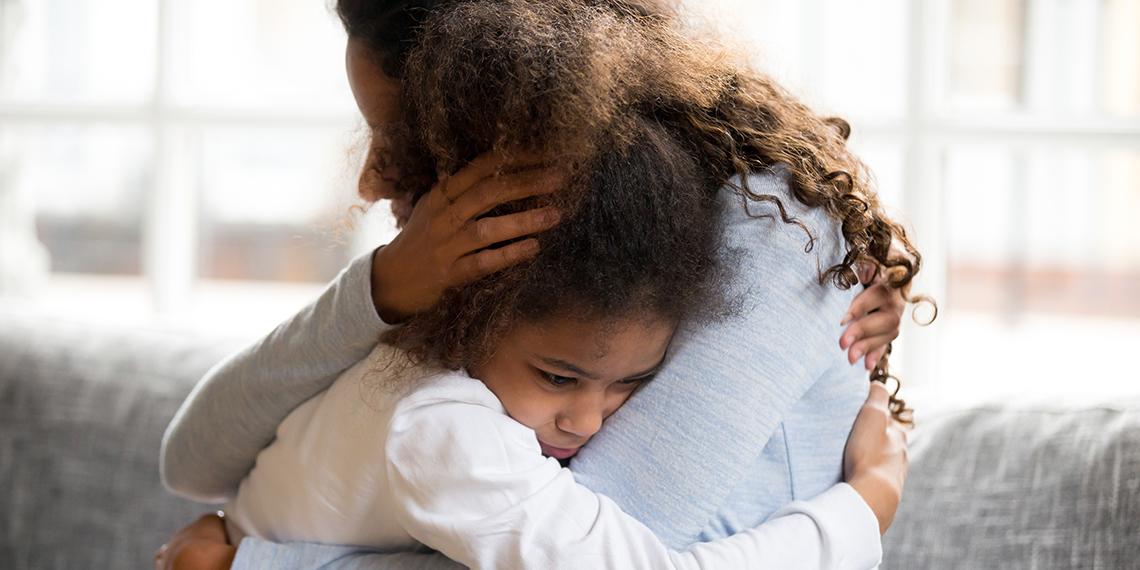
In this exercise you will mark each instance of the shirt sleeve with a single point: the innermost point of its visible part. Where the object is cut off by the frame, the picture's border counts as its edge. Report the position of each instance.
(233, 412)
(727, 385)
(255, 554)
(471, 483)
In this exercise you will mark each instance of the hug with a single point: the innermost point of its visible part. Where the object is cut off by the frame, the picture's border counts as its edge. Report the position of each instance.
(638, 315)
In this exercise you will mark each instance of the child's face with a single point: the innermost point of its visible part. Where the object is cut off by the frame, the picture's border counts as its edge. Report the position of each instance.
(563, 377)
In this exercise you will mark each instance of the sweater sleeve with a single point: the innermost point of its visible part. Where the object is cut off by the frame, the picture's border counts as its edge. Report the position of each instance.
(471, 483)
(234, 411)
(727, 385)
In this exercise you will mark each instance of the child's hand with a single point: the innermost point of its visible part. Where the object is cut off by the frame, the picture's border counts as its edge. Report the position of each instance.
(875, 460)
(872, 322)
(444, 243)
(201, 545)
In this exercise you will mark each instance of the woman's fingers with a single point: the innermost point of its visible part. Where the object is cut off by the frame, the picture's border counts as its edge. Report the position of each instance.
(484, 166)
(489, 231)
(491, 192)
(485, 262)
(453, 186)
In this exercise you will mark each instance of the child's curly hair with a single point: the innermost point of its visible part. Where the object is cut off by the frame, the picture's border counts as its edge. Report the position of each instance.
(642, 241)
(577, 79)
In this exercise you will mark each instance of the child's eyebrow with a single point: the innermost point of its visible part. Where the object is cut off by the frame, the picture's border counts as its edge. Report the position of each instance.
(567, 367)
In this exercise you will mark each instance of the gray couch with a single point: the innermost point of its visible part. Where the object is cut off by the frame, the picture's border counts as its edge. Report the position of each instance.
(82, 412)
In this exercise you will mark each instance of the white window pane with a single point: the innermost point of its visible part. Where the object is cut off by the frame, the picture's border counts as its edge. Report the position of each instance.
(77, 50)
(1043, 274)
(1045, 58)
(1029, 213)
(1120, 56)
(862, 46)
(286, 54)
(275, 203)
(884, 158)
(1044, 231)
(89, 186)
(985, 68)
(841, 57)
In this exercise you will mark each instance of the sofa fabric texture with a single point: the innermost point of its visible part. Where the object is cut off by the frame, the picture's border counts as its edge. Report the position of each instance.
(83, 409)
(82, 412)
(997, 487)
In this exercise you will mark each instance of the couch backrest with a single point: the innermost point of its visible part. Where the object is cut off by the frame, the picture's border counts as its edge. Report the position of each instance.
(1022, 488)
(82, 412)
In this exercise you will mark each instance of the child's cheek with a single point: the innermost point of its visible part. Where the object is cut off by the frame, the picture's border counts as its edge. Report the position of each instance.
(534, 409)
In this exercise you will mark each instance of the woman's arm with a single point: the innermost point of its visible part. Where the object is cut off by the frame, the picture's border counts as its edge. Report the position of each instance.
(233, 412)
(470, 482)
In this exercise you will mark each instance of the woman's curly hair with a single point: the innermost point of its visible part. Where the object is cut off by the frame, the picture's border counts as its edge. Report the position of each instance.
(574, 79)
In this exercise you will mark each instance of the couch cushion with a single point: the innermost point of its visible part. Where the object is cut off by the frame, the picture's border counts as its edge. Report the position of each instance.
(998, 487)
(82, 412)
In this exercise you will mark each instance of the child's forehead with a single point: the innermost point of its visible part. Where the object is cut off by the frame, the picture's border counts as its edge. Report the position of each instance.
(595, 341)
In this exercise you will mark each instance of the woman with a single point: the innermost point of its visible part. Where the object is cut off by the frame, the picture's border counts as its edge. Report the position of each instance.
(776, 418)
(517, 371)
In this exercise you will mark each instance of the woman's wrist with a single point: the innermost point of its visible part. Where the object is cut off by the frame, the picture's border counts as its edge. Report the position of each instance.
(383, 285)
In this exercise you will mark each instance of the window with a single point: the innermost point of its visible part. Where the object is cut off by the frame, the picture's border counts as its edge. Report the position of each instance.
(175, 159)
(1006, 133)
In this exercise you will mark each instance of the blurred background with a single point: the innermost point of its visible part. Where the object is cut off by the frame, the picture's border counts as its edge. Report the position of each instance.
(192, 165)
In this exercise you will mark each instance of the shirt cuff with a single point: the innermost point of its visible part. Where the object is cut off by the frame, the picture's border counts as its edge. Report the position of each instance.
(255, 554)
(357, 279)
(850, 525)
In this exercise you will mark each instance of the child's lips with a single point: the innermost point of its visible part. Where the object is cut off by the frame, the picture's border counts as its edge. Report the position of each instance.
(558, 452)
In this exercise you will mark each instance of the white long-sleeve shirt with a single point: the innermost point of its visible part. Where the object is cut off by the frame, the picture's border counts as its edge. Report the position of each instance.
(432, 458)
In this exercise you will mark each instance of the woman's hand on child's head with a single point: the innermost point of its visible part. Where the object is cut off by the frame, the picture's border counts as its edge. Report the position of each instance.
(875, 461)
(873, 319)
(201, 545)
(446, 243)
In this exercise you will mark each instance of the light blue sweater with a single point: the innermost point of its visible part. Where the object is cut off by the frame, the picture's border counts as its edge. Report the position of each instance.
(747, 415)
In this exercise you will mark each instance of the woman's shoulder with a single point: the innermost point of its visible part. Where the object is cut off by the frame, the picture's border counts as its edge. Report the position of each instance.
(767, 195)
(764, 220)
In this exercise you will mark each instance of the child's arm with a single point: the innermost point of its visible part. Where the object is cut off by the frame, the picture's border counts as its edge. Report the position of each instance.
(471, 483)
(232, 414)
(254, 554)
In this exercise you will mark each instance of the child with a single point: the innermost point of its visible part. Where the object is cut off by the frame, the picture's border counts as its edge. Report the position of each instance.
(396, 455)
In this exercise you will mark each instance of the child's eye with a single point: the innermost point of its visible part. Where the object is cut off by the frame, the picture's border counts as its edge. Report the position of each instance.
(637, 381)
(559, 381)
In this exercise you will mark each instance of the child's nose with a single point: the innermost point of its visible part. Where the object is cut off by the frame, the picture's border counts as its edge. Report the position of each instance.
(584, 417)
